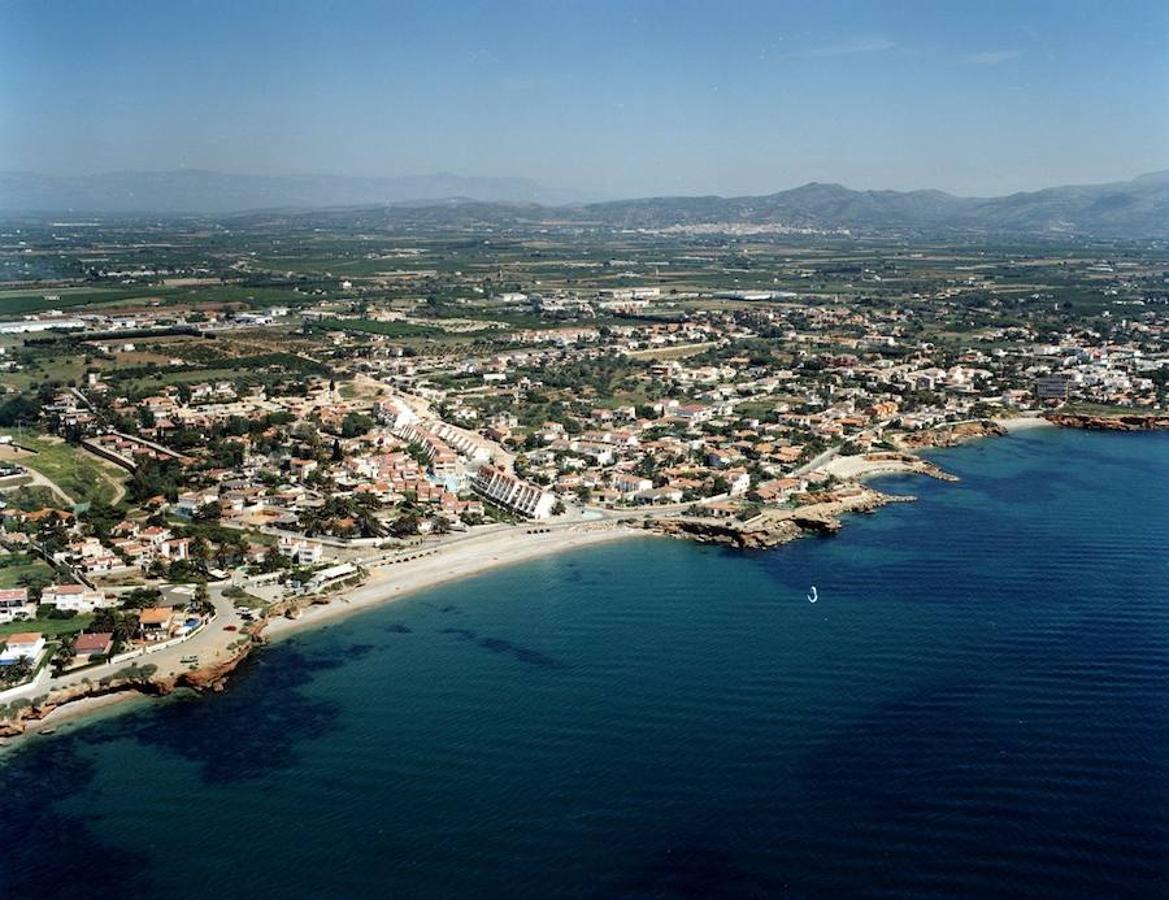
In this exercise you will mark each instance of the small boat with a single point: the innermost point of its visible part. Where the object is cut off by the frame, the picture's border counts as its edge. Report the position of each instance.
(813, 597)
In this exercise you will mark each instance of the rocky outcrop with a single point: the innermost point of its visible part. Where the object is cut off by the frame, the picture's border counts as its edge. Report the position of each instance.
(208, 678)
(892, 461)
(1124, 422)
(714, 531)
(950, 435)
(818, 513)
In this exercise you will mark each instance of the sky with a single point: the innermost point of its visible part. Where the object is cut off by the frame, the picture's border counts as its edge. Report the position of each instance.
(606, 99)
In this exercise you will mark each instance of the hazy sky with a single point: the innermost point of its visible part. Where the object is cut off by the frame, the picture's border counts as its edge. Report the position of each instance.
(611, 98)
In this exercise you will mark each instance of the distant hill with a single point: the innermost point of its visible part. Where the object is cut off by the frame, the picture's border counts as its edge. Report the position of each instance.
(198, 191)
(1129, 209)
(1136, 208)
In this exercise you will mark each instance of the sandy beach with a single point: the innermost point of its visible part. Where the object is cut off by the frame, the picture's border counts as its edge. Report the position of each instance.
(446, 564)
(386, 584)
(80, 712)
(1024, 423)
(858, 468)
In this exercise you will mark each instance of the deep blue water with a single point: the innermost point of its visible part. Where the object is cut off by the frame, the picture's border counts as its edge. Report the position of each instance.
(978, 705)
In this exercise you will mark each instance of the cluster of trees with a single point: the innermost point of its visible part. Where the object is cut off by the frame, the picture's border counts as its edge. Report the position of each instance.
(154, 477)
(19, 410)
(604, 375)
(16, 673)
(355, 424)
(351, 516)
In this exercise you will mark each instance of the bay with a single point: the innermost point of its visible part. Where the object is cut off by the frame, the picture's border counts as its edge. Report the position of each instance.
(976, 705)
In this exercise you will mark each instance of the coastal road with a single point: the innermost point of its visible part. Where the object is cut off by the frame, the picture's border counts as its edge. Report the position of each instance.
(209, 645)
(487, 533)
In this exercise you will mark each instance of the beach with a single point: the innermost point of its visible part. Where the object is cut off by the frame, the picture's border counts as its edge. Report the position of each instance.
(578, 702)
(466, 555)
(430, 567)
(1024, 423)
(448, 563)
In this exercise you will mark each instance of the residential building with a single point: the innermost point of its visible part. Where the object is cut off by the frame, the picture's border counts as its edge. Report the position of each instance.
(25, 644)
(74, 598)
(14, 604)
(513, 493)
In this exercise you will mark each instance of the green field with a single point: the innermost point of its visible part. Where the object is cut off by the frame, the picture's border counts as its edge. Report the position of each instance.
(14, 304)
(11, 575)
(73, 470)
(372, 326)
(22, 302)
(47, 627)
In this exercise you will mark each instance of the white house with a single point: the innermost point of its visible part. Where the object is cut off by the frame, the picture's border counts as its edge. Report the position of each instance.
(25, 644)
(740, 482)
(303, 553)
(14, 604)
(513, 493)
(75, 597)
(191, 501)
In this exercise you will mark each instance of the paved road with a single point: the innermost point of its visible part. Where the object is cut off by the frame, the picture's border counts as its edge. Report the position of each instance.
(209, 644)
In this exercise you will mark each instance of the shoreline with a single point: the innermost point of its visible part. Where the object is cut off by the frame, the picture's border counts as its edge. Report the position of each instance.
(385, 586)
(466, 561)
(471, 557)
(90, 709)
(1023, 423)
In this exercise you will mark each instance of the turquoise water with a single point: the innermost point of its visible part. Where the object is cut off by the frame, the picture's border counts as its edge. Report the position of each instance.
(977, 705)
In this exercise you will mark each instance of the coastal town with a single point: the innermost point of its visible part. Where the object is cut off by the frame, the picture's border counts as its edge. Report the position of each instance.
(198, 450)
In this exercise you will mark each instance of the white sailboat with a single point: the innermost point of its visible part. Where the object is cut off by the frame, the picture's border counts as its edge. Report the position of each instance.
(813, 597)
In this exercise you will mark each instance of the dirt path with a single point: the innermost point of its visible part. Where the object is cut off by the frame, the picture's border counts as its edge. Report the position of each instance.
(19, 457)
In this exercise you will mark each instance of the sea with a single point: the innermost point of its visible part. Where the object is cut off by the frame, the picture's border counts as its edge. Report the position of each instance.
(976, 705)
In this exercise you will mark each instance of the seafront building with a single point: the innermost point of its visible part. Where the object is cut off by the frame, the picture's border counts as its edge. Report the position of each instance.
(512, 493)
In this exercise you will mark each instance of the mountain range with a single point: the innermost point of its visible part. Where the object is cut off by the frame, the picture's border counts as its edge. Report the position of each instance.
(1138, 208)
(198, 191)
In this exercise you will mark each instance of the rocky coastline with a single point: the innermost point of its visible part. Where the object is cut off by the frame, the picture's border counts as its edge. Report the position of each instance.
(950, 435)
(137, 680)
(1102, 422)
(816, 513)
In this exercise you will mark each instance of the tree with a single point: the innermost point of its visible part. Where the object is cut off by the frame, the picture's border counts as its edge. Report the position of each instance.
(405, 525)
(36, 581)
(153, 477)
(101, 518)
(64, 653)
(355, 424)
(207, 512)
(202, 603)
(20, 410)
(17, 672)
(140, 598)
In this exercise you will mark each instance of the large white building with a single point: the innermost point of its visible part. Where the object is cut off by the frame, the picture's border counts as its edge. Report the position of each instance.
(326, 577)
(513, 493)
